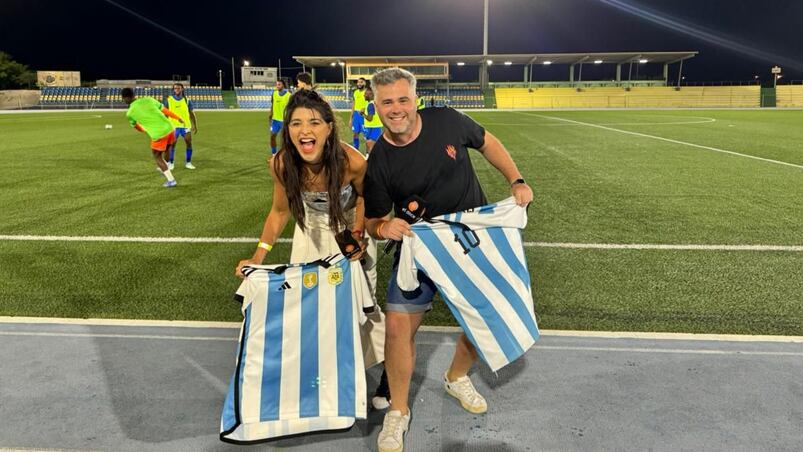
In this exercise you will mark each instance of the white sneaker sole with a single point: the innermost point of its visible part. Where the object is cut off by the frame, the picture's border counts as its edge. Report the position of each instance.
(467, 407)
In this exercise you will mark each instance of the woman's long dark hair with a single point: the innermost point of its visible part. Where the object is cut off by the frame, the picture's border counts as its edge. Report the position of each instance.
(291, 172)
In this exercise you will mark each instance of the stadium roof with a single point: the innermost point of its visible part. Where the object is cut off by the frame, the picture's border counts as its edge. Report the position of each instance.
(533, 58)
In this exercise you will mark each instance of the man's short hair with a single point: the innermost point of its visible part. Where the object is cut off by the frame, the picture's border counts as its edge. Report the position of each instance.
(304, 77)
(392, 75)
(126, 93)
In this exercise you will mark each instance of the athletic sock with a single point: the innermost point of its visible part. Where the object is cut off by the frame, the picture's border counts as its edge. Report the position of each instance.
(168, 175)
(189, 154)
(172, 154)
(273, 149)
(357, 143)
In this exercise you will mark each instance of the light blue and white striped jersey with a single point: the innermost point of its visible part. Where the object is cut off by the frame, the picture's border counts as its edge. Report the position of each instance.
(300, 363)
(481, 272)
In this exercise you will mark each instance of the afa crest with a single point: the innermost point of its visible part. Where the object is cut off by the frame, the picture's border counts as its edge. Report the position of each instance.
(335, 276)
(310, 279)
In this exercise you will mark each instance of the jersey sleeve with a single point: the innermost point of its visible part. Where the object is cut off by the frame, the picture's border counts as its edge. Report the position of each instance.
(378, 202)
(189, 105)
(361, 293)
(473, 134)
(371, 110)
(407, 273)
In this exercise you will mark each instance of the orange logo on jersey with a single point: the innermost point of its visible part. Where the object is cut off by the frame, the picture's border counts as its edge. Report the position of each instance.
(451, 151)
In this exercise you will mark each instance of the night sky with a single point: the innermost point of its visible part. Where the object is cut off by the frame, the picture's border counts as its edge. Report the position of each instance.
(737, 39)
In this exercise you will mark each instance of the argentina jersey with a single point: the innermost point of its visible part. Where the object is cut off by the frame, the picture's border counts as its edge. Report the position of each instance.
(299, 363)
(476, 259)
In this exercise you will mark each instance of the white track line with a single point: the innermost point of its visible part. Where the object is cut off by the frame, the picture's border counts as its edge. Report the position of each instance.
(423, 342)
(432, 329)
(599, 246)
(668, 140)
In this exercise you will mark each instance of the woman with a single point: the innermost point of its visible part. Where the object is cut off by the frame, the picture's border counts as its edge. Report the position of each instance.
(312, 168)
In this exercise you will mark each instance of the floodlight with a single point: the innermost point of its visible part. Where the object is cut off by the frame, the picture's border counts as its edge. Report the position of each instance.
(332, 64)
(461, 63)
(643, 60)
(508, 63)
(597, 61)
(547, 63)
(341, 63)
(490, 62)
(246, 63)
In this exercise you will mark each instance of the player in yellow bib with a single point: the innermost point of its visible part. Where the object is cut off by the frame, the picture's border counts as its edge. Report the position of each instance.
(182, 107)
(278, 103)
(372, 129)
(358, 104)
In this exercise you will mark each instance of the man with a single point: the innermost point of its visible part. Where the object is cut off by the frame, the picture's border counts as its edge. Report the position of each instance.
(149, 115)
(420, 103)
(304, 80)
(373, 125)
(358, 104)
(423, 153)
(276, 113)
(182, 107)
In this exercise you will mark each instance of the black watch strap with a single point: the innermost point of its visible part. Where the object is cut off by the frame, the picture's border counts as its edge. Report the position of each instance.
(517, 181)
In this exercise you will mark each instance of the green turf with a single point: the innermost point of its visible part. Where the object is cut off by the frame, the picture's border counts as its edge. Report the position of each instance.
(63, 174)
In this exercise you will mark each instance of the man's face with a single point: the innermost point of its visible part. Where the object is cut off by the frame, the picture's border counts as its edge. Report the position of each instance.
(369, 94)
(178, 90)
(395, 104)
(360, 84)
(279, 85)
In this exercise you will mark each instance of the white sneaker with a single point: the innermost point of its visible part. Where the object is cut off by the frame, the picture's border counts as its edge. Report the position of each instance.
(170, 166)
(380, 403)
(391, 438)
(463, 390)
(189, 165)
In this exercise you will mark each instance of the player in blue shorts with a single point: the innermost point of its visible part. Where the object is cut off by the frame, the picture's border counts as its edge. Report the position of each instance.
(358, 104)
(372, 129)
(279, 97)
(181, 106)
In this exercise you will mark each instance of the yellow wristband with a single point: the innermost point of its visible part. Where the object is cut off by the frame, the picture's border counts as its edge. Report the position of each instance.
(266, 246)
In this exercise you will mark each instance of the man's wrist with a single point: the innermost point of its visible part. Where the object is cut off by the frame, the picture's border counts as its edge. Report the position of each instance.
(519, 181)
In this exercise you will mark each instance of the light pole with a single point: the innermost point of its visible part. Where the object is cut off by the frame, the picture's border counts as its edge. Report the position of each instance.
(233, 80)
(220, 78)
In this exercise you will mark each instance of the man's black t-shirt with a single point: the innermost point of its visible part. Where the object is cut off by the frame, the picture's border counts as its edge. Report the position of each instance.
(435, 166)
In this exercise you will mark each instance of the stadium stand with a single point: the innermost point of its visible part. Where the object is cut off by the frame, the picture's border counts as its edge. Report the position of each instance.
(637, 97)
(789, 96)
(261, 97)
(84, 97)
(253, 98)
(458, 97)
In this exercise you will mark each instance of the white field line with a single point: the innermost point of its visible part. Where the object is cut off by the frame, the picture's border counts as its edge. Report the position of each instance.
(668, 140)
(599, 246)
(51, 118)
(170, 324)
(701, 120)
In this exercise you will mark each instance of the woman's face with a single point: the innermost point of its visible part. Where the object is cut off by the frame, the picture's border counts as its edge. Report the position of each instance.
(308, 132)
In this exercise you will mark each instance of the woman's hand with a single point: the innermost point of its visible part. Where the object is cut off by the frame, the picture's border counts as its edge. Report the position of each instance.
(238, 272)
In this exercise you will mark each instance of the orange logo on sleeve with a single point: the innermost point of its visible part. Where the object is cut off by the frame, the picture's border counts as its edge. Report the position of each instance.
(451, 151)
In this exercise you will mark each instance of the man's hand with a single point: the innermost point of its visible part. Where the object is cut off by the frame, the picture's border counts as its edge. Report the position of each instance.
(194, 129)
(181, 120)
(522, 193)
(395, 229)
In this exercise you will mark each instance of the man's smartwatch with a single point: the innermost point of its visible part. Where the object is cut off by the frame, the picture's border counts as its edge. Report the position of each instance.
(517, 181)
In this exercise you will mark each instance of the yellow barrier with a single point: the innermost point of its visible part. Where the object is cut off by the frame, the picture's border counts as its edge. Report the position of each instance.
(642, 97)
(789, 96)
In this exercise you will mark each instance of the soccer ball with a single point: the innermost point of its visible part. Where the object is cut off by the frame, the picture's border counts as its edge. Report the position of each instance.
(108, 126)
